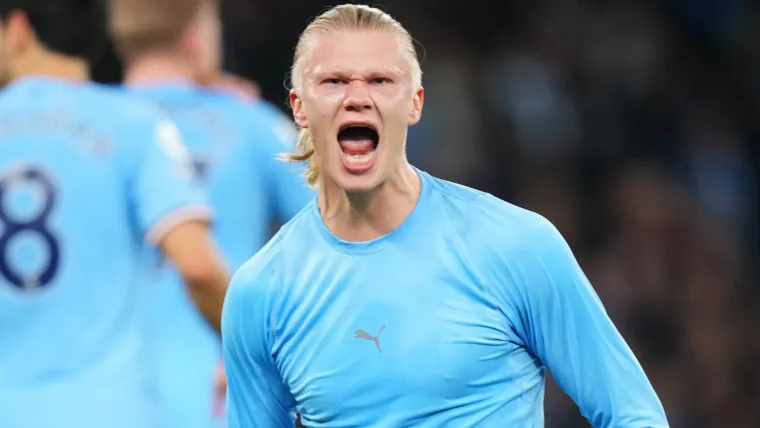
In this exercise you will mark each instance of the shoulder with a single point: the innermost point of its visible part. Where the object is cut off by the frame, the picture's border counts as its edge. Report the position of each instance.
(259, 276)
(258, 114)
(268, 126)
(126, 107)
(263, 276)
(138, 123)
(265, 112)
(513, 251)
(249, 300)
(489, 219)
(249, 297)
(159, 128)
(264, 126)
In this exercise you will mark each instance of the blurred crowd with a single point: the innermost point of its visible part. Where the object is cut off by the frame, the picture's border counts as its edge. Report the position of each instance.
(632, 125)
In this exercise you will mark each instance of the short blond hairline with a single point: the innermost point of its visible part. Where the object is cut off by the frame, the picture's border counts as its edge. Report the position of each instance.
(343, 17)
(140, 26)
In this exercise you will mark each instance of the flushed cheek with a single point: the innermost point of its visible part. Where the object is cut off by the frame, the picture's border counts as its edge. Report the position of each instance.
(327, 149)
(321, 121)
(324, 95)
(396, 106)
(323, 111)
(314, 103)
(391, 93)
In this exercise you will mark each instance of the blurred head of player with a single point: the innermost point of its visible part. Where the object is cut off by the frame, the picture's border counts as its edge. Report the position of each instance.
(356, 88)
(181, 35)
(48, 37)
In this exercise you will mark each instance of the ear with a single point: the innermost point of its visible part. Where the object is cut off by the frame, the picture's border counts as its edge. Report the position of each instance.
(417, 101)
(19, 33)
(298, 114)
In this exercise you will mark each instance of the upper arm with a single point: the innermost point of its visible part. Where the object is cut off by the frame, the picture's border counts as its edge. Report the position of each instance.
(256, 395)
(288, 190)
(562, 321)
(192, 250)
(165, 188)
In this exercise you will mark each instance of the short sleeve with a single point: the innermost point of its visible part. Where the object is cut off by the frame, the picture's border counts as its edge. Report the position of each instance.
(256, 394)
(165, 188)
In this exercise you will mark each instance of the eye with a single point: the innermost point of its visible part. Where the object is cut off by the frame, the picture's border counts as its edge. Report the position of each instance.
(380, 81)
(333, 81)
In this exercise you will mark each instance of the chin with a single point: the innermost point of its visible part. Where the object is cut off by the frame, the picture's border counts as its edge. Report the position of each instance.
(359, 183)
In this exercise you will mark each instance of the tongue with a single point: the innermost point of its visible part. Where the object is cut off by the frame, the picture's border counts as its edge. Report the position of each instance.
(356, 147)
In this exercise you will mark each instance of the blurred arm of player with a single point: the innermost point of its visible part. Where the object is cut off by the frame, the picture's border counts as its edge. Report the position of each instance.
(561, 320)
(193, 252)
(174, 211)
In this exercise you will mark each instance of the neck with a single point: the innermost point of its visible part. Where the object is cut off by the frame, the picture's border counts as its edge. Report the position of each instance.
(56, 66)
(357, 217)
(157, 67)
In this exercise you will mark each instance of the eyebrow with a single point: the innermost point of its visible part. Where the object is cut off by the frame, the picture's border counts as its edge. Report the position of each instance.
(369, 74)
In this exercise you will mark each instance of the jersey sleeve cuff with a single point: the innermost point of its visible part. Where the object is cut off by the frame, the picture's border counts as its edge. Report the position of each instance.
(175, 217)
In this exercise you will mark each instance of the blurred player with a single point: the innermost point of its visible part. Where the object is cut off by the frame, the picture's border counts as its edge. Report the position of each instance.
(169, 47)
(398, 299)
(85, 177)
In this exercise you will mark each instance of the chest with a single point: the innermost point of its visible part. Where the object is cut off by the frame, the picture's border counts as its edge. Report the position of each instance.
(366, 336)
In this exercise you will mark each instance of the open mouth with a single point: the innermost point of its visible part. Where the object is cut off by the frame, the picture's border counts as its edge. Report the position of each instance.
(358, 143)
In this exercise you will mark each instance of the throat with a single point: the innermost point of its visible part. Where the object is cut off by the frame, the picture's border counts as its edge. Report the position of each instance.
(360, 205)
(359, 217)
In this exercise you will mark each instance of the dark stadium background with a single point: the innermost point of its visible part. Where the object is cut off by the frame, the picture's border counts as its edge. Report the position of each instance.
(632, 125)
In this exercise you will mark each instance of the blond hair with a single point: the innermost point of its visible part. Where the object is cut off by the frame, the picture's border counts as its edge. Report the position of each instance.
(140, 26)
(343, 17)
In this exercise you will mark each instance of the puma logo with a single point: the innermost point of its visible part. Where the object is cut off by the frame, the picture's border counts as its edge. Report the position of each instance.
(361, 334)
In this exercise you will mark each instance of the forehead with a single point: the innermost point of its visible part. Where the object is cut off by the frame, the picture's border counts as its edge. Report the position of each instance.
(357, 52)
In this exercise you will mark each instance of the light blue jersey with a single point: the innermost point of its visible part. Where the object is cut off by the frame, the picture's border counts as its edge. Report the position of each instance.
(234, 146)
(85, 177)
(451, 320)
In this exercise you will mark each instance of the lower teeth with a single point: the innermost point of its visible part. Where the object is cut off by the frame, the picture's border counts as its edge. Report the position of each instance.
(353, 159)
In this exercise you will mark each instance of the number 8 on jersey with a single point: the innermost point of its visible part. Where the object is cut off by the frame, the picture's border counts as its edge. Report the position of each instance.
(35, 224)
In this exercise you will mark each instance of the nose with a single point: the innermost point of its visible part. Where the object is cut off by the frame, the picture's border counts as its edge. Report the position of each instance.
(357, 98)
